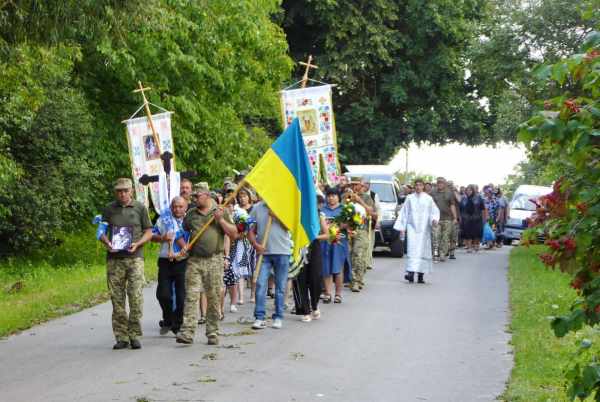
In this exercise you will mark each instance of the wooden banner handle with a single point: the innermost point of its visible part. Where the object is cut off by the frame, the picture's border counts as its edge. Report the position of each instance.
(264, 244)
(239, 187)
(170, 249)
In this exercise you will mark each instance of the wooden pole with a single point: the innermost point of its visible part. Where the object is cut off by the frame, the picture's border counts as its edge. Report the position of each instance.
(213, 217)
(147, 106)
(308, 66)
(264, 244)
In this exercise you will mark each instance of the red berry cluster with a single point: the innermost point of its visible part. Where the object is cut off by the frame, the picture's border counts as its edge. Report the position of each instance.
(596, 268)
(579, 75)
(554, 244)
(569, 243)
(592, 55)
(583, 208)
(548, 105)
(547, 259)
(572, 104)
(577, 283)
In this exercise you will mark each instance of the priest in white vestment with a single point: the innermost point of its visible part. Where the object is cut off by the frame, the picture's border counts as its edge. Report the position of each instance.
(418, 215)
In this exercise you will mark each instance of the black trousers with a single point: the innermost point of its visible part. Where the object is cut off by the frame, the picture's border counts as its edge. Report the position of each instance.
(169, 273)
(309, 280)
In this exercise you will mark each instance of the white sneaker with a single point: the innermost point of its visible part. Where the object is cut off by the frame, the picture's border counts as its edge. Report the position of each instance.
(277, 323)
(232, 309)
(259, 324)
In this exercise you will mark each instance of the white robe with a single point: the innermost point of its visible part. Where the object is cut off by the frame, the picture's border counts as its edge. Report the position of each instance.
(416, 220)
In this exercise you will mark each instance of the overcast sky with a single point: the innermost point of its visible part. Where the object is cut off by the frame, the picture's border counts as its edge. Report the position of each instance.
(461, 163)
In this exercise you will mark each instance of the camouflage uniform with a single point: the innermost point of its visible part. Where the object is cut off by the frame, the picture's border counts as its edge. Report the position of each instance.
(442, 233)
(453, 239)
(125, 270)
(359, 250)
(130, 271)
(208, 272)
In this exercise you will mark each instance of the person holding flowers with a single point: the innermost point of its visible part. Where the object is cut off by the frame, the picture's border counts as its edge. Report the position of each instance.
(248, 259)
(336, 254)
(359, 243)
(493, 207)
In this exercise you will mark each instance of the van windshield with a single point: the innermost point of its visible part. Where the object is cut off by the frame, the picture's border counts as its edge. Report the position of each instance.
(521, 202)
(385, 191)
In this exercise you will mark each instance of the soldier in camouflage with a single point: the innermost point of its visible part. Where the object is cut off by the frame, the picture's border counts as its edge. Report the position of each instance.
(359, 243)
(205, 263)
(125, 268)
(446, 203)
(455, 228)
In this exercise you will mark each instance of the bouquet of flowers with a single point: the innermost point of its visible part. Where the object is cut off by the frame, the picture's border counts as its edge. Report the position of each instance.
(351, 214)
(492, 224)
(243, 222)
(335, 234)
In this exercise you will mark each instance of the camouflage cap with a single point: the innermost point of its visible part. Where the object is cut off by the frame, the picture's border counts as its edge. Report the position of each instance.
(202, 186)
(450, 183)
(123, 184)
(228, 180)
(244, 173)
(355, 179)
(230, 186)
(440, 179)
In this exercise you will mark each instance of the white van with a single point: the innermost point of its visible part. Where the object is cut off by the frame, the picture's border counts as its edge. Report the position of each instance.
(521, 209)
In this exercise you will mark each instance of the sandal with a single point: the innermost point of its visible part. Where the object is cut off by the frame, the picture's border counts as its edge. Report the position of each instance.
(316, 314)
(293, 311)
(270, 294)
(232, 309)
(476, 248)
(327, 298)
(202, 320)
(241, 301)
(338, 299)
(306, 318)
(322, 296)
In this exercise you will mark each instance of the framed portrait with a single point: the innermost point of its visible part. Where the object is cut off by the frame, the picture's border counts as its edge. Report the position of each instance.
(150, 148)
(122, 237)
(308, 121)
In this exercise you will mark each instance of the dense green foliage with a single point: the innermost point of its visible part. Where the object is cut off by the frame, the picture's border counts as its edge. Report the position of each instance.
(567, 125)
(400, 68)
(67, 71)
(514, 36)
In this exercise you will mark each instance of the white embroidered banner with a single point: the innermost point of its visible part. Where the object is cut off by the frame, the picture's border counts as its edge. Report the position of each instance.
(313, 108)
(145, 152)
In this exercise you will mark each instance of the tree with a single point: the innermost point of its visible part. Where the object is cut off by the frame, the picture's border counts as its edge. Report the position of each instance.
(400, 69)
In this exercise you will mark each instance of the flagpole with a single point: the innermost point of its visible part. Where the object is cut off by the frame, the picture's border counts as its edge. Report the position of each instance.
(212, 218)
(264, 243)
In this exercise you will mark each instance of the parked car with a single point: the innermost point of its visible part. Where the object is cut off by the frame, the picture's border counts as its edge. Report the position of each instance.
(387, 187)
(521, 209)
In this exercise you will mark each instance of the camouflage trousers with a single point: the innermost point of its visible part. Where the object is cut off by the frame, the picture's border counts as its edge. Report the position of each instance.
(359, 248)
(208, 272)
(453, 238)
(442, 237)
(125, 278)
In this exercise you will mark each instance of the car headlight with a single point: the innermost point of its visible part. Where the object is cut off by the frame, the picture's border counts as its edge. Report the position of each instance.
(514, 221)
(388, 216)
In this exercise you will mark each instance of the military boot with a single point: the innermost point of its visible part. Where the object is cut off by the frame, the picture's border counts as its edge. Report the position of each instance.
(121, 345)
(355, 287)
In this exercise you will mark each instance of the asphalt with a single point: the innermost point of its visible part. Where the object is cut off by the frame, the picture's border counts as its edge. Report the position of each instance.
(445, 340)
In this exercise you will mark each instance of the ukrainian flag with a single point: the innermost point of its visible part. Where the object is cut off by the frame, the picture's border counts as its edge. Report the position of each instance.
(284, 180)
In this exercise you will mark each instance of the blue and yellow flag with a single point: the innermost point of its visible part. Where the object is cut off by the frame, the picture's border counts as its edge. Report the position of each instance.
(285, 182)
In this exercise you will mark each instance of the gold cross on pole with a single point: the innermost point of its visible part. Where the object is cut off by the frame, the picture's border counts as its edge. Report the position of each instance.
(308, 67)
(147, 106)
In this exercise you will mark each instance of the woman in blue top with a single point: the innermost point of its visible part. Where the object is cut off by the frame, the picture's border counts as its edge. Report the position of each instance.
(336, 257)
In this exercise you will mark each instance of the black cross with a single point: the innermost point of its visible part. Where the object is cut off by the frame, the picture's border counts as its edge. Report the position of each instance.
(166, 157)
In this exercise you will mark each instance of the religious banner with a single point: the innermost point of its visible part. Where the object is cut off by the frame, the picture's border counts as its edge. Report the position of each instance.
(145, 152)
(313, 108)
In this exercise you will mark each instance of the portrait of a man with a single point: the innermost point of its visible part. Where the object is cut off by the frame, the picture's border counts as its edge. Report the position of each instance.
(122, 237)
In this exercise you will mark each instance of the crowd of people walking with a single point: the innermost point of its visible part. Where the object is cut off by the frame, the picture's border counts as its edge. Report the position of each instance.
(195, 276)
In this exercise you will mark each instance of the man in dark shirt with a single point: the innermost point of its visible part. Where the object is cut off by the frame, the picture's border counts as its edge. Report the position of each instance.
(446, 203)
(125, 268)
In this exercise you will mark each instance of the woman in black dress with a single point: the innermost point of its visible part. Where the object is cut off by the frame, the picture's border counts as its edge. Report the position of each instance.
(472, 207)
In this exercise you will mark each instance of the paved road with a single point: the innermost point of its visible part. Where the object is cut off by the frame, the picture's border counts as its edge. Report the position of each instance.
(442, 341)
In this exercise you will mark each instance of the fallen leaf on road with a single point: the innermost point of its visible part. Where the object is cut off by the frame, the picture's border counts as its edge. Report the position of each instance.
(207, 380)
(297, 355)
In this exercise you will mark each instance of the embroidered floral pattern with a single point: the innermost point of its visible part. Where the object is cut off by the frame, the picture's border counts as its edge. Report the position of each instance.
(304, 102)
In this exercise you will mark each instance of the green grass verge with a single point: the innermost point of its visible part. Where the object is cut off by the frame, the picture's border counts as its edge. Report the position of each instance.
(540, 357)
(49, 284)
